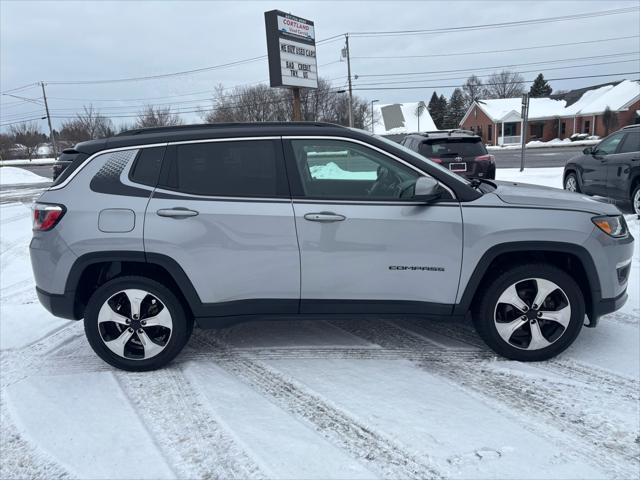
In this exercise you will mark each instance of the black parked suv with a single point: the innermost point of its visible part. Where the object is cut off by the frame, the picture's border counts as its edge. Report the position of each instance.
(460, 151)
(609, 169)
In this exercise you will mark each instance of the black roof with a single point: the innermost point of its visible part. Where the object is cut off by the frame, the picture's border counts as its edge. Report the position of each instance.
(177, 133)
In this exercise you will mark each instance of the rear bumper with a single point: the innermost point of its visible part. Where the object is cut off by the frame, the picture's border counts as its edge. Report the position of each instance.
(62, 306)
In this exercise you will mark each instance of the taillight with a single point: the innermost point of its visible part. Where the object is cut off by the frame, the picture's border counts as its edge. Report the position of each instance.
(437, 160)
(46, 216)
(485, 158)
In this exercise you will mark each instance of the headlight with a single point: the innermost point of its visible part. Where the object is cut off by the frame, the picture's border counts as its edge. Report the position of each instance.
(614, 225)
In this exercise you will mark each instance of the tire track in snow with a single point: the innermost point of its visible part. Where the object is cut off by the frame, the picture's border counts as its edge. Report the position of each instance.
(190, 439)
(366, 445)
(572, 369)
(602, 442)
(19, 458)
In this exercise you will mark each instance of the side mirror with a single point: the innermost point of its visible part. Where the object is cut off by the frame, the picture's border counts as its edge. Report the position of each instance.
(426, 190)
(588, 151)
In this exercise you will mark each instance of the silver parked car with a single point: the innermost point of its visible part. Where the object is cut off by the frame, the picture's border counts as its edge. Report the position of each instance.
(152, 230)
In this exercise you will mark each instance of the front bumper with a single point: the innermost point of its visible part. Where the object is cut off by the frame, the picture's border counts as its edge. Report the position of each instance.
(605, 306)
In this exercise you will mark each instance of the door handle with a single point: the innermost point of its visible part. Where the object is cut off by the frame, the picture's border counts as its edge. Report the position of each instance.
(324, 217)
(177, 212)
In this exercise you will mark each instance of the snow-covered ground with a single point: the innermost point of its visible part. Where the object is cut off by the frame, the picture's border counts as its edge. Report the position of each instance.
(370, 398)
(19, 176)
(556, 142)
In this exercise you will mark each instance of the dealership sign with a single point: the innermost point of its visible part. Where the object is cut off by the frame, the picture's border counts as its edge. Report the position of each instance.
(291, 45)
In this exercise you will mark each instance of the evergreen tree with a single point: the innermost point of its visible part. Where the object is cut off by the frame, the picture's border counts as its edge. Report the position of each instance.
(540, 87)
(455, 110)
(436, 109)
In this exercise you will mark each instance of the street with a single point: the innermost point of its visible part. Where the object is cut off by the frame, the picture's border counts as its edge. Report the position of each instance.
(536, 157)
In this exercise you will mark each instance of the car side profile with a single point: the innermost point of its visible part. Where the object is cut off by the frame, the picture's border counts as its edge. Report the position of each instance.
(460, 151)
(609, 169)
(153, 230)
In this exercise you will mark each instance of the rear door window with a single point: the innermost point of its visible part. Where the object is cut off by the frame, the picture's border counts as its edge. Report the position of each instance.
(448, 148)
(250, 168)
(146, 168)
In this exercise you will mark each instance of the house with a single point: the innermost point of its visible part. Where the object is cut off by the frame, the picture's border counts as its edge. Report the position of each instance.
(401, 118)
(498, 121)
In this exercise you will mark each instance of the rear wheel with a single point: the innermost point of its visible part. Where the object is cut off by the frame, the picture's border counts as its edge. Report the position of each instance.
(571, 183)
(135, 323)
(530, 312)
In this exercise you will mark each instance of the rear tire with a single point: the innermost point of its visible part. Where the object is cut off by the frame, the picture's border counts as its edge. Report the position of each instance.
(571, 183)
(136, 324)
(529, 332)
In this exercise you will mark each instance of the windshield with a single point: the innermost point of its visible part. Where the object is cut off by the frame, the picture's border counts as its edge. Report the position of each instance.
(448, 148)
(422, 159)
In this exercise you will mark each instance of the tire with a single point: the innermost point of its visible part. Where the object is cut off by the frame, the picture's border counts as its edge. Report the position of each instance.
(635, 200)
(571, 183)
(121, 337)
(494, 313)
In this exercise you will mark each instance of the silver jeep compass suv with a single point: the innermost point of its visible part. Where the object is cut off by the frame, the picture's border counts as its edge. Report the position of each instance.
(147, 232)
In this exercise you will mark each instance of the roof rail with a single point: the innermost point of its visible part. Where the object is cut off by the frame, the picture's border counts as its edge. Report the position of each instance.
(447, 132)
(633, 125)
(201, 126)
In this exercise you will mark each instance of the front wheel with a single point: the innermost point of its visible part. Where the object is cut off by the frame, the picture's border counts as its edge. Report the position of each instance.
(530, 312)
(135, 323)
(635, 200)
(571, 183)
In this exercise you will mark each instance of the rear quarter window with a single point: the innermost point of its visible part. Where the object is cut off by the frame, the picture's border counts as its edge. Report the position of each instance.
(72, 159)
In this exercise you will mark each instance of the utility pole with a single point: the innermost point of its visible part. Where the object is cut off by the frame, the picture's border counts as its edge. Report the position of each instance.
(46, 107)
(346, 35)
(523, 133)
(297, 109)
(372, 102)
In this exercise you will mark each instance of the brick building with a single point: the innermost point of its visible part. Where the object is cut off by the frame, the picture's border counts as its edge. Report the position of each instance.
(498, 121)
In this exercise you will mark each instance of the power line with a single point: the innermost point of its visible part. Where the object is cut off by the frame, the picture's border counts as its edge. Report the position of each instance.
(451, 54)
(422, 87)
(403, 82)
(591, 57)
(488, 26)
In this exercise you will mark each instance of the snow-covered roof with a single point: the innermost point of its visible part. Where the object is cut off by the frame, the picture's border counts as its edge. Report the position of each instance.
(592, 102)
(616, 97)
(401, 118)
(501, 108)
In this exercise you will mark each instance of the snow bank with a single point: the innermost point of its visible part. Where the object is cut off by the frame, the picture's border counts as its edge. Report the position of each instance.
(17, 176)
(548, 177)
(334, 172)
(26, 161)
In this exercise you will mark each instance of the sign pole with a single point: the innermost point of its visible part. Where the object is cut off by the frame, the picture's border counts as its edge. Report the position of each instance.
(297, 110)
(523, 133)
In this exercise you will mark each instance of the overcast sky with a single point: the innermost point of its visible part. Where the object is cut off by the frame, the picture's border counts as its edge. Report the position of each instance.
(67, 41)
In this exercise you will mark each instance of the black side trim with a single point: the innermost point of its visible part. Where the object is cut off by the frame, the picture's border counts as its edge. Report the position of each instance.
(374, 307)
(533, 246)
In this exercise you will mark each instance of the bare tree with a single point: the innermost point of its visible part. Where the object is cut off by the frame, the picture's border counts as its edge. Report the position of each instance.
(260, 103)
(473, 90)
(609, 120)
(28, 136)
(88, 125)
(152, 116)
(505, 84)
(419, 111)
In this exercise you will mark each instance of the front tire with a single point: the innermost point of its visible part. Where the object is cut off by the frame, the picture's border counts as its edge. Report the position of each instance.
(530, 313)
(571, 183)
(635, 200)
(136, 324)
